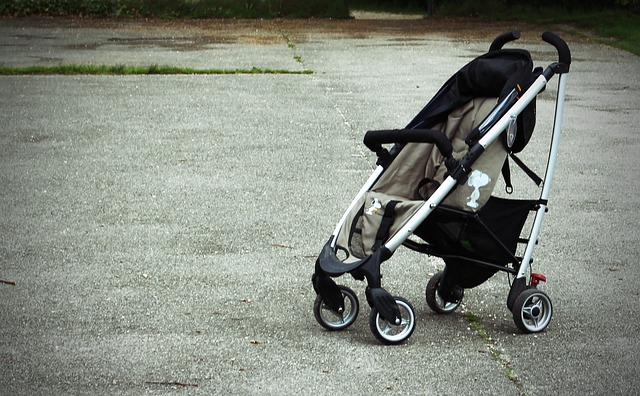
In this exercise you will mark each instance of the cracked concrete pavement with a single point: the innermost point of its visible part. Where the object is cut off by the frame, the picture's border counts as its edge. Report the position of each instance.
(161, 231)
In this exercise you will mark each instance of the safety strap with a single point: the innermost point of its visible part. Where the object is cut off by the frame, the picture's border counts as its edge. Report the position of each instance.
(385, 224)
(506, 173)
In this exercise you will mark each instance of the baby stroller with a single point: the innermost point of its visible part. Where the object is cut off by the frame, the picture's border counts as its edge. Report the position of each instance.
(432, 193)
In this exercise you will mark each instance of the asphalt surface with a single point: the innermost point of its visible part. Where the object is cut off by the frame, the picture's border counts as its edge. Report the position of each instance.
(158, 233)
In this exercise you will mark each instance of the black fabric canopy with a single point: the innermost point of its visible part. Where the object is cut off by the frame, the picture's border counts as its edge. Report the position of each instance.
(494, 74)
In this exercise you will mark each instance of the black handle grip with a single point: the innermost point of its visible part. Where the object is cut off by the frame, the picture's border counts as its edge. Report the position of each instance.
(504, 38)
(564, 54)
(375, 139)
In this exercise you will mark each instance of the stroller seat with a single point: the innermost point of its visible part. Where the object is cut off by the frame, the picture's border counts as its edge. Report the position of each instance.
(415, 174)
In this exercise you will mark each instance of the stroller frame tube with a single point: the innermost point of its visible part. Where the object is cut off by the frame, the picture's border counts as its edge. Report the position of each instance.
(527, 258)
(367, 185)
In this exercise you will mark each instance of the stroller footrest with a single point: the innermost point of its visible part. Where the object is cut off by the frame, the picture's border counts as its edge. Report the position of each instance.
(328, 263)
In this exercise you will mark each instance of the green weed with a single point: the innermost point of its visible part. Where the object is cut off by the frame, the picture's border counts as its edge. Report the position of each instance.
(476, 325)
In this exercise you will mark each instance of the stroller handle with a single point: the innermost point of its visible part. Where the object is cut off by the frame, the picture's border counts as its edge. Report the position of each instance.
(564, 54)
(375, 139)
(504, 38)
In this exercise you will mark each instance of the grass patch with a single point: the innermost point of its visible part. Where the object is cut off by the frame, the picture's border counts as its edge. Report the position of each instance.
(391, 6)
(618, 30)
(178, 8)
(614, 23)
(617, 27)
(122, 70)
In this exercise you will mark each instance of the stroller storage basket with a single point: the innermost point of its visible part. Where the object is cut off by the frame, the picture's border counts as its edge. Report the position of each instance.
(476, 245)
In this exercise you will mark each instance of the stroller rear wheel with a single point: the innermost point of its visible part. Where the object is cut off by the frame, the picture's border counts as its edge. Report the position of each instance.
(532, 311)
(434, 301)
(334, 320)
(389, 333)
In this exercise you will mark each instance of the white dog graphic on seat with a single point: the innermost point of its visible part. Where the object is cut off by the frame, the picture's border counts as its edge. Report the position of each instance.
(376, 205)
(477, 179)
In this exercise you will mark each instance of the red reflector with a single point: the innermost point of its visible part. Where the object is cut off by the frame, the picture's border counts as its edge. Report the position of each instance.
(537, 278)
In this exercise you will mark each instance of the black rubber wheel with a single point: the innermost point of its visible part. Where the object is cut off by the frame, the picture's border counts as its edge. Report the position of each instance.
(389, 333)
(434, 301)
(333, 320)
(532, 311)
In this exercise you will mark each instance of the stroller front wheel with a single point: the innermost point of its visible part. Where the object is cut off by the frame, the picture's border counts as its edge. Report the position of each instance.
(532, 311)
(333, 320)
(434, 301)
(389, 333)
